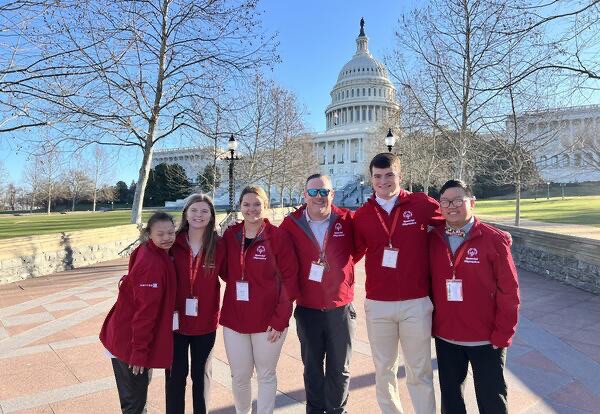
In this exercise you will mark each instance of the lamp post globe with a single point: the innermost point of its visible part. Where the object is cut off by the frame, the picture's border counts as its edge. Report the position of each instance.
(390, 140)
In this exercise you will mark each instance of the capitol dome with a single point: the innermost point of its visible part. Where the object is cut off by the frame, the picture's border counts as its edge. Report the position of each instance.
(363, 92)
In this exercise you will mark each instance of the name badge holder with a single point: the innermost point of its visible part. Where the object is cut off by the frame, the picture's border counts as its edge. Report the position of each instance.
(191, 307)
(175, 321)
(316, 272)
(390, 257)
(454, 290)
(242, 291)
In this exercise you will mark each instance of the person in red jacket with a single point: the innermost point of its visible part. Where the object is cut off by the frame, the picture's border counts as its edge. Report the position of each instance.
(257, 305)
(475, 293)
(199, 259)
(391, 230)
(138, 329)
(322, 235)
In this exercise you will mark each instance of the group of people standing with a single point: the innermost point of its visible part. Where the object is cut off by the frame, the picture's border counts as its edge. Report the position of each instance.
(422, 258)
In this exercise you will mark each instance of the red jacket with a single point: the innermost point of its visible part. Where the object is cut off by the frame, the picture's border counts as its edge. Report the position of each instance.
(410, 278)
(139, 328)
(271, 269)
(490, 305)
(206, 287)
(337, 286)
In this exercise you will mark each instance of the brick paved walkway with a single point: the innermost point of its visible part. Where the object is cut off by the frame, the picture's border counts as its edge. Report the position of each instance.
(51, 360)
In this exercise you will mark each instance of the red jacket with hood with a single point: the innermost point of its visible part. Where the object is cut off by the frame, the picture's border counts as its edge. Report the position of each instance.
(410, 278)
(206, 286)
(139, 328)
(337, 286)
(271, 270)
(490, 305)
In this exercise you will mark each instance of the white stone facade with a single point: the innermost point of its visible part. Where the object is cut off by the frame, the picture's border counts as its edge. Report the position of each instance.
(361, 100)
(563, 158)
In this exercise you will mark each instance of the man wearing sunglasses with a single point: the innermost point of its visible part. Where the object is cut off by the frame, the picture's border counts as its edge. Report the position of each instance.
(325, 319)
(391, 231)
(476, 297)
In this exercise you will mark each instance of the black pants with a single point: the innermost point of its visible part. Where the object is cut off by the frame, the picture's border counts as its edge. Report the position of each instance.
(200, 347)
(326, 336)
(487, 364)
(133, 389)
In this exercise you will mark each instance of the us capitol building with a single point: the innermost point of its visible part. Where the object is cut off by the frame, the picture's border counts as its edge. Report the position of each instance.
(362, 98)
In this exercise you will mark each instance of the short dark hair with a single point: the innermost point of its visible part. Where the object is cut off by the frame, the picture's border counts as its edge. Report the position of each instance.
(456, 184)
(384, 160)
(317, 175)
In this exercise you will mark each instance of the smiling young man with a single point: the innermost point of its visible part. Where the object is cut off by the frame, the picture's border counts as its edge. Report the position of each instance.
(391, 231)
(476, 297)
(322, 235)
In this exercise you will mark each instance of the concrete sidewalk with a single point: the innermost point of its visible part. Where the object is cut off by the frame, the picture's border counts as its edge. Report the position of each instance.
(52, 362)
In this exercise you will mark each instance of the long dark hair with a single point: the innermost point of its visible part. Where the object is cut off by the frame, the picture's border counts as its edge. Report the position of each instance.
(209, 239)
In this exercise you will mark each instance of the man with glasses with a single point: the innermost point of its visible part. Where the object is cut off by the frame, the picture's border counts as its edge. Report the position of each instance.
(391, 231)
(475, 292)
(325, 319)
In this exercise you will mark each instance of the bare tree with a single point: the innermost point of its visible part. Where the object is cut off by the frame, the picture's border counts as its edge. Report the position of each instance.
(102, 170)
(458, 43)
(149, 59)
(78, 185)
(50, 163)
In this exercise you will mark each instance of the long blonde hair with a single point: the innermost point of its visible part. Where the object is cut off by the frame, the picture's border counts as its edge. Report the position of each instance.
(209, 239)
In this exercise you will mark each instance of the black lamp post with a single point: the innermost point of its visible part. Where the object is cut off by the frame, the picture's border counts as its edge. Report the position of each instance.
(362, 186)
(231, 146)
(548, 193)
(390, 140)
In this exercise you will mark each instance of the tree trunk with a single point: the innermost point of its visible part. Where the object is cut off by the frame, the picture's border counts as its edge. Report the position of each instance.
(518, 202)
(49, 199)
(140, 188)
(73, 204)
(94, 198)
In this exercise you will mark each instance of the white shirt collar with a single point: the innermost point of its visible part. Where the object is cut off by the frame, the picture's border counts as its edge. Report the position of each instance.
(387, 205)
(326, 219)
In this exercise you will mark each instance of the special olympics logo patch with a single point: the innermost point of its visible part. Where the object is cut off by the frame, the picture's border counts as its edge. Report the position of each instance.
(472, 252)
(260, 249)
(338, 226)
(407, 215)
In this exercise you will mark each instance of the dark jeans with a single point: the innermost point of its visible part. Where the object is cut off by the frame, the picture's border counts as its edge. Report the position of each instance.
(133, 389)
(326, 336)
(200, 347)
(487, 364)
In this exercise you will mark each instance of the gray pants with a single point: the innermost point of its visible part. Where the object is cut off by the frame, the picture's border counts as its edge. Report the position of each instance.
(326, 336)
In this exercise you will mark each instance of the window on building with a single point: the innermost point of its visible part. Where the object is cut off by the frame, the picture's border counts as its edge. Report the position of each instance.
(370, 114)
(566, 160)
(364, 115)
(543, 161)
(353, 93)
(578, 160)
(379, 91)
(364, 92)
(555, 160)
(369, 91)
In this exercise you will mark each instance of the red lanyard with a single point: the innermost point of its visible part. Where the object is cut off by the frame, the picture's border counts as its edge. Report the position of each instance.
(194, 264)
(460, 252)
(321, 249)
(244, 251)
(385, 227)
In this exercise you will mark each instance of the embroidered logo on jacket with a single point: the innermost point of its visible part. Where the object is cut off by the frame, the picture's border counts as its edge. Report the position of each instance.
(260, 253)
(338, 230)
(472, 256)
(408, 218)
(149, 285)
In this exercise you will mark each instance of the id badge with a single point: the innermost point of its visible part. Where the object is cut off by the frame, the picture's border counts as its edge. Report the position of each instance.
(191, 307)
(175, 321)
(242, 291)
(454, 290)
(390, 257)
(316, 272)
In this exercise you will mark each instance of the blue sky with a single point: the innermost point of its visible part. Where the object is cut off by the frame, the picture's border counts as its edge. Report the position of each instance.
(316, 39)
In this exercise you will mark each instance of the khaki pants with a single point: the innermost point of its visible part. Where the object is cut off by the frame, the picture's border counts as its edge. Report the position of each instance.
(244, 353)
(407, 323)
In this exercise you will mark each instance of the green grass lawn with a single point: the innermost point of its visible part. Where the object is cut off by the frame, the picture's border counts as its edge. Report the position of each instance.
(27, 225)
(571, 210)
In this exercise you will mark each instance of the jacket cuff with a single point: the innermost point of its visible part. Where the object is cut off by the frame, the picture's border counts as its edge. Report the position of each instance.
(138, 358)
(279, 325)
(500, 341)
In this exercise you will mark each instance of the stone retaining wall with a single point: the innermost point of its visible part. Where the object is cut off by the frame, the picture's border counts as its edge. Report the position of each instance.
(27, 257)
(572, 260)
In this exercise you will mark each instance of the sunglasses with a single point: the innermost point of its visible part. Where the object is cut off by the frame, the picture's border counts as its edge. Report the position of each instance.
(323, 192)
